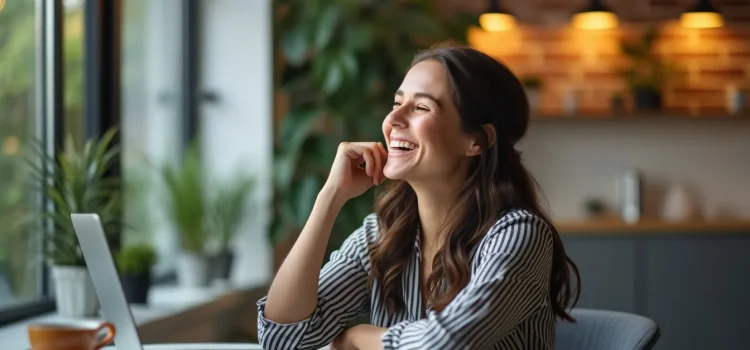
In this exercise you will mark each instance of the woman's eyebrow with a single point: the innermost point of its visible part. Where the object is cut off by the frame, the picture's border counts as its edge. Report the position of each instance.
(421, 94)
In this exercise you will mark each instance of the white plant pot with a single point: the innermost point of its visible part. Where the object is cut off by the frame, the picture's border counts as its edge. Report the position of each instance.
(74, 292)
(192, 270)
(535, 99)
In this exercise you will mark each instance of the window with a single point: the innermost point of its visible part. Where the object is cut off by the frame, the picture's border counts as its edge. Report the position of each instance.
(19, 263)
(152, 117)
(73, 68)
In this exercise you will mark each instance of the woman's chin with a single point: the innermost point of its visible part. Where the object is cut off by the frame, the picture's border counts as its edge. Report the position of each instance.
(393, 173)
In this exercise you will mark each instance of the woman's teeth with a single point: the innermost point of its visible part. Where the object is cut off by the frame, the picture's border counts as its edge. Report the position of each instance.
(402, 145)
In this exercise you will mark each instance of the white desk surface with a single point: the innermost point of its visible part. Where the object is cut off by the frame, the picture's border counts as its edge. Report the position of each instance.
(196, 346)
(202, 346)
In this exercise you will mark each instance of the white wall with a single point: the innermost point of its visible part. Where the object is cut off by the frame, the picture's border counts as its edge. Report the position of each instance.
(575, 159)
(151, 115)
(237, 130)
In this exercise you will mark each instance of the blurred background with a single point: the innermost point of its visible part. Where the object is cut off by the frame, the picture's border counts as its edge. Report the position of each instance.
(202, 130)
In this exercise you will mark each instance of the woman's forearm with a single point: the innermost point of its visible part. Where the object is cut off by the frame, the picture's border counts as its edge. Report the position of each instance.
(293, 295)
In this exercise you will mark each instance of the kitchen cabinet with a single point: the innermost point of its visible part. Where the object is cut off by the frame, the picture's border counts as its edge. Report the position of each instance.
(694, 285)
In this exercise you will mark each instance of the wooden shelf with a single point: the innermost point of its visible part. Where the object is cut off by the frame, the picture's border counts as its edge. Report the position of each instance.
(666, 115)
(651, 226)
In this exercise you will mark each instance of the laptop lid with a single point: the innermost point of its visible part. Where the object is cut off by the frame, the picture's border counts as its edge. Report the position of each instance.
(106, 280)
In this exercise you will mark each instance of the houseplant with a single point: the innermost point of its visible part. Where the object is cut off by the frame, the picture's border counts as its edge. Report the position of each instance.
(340, 62)
(76, 180)
(228, 210)
(533, 86)
(186, 201)
(647, 74)
(134, 263)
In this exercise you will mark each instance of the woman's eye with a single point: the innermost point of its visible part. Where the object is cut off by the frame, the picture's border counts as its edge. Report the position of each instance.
(396, 104)
(421, 108)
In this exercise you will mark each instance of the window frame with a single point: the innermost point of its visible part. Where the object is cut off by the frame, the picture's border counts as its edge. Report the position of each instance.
(101, 104)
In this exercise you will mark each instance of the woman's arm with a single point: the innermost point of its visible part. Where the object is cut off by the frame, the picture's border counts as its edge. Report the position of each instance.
(508, 286)
(294, 291)
(339, 293)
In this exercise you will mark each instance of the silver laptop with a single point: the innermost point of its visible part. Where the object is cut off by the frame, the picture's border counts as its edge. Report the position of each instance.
(106, 282)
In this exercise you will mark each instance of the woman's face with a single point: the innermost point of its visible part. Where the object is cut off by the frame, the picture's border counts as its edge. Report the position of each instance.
(423, 131)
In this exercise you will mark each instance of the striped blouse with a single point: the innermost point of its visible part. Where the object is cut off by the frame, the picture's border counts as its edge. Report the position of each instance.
(506, 304)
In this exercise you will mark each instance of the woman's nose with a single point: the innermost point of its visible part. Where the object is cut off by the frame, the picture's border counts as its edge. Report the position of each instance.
(397, 118)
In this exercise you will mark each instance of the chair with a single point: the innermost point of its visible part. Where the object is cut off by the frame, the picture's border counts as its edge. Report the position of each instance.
(606, 330)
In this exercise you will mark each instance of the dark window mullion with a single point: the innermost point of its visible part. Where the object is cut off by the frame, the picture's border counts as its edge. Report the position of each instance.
(191, 96)
(101, 109)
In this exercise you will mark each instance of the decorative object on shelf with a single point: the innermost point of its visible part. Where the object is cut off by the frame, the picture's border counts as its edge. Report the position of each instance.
(678, 204)
(533, 86)
(594, 207)
(186, 201)
(571, 101)
(77, 180)
(647, 75)
(618, 102)
(703, 15)
(228, 211)
(134, 263)
(595, 16)
(339, 61)
(736, 99)
(496, 19)
(631, 195)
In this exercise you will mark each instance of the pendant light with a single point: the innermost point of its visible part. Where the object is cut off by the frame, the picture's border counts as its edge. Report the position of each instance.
(702, 15)
(595, 16)
(496, 20)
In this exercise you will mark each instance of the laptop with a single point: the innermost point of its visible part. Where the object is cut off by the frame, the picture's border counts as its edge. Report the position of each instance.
(114, 305)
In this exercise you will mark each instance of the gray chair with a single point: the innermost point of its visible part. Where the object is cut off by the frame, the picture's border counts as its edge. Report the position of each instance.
(606, 330)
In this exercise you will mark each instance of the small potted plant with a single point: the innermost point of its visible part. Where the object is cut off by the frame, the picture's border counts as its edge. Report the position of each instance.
(594, 207)
(533, 86)
(618, 102)
(134, 262)
(76, 181)
(186, 207)
(228, 213)
(647, 74)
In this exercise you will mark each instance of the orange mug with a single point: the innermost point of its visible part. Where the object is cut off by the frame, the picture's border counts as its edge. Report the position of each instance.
(70, 335)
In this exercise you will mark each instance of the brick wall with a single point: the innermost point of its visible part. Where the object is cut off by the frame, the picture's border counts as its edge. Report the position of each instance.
(707, 60)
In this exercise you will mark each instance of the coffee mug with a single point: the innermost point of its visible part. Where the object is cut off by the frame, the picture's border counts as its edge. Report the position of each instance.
(70, 335)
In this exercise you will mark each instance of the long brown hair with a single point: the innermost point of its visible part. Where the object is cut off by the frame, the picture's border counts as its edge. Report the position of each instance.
(484, 91)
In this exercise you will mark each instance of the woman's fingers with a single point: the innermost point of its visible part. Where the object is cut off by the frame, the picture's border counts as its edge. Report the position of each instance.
(374, 156)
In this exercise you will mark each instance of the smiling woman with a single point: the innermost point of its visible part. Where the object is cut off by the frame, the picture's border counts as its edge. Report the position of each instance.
(458, 255)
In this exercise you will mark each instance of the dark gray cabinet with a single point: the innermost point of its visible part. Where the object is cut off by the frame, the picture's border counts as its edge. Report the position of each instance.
(607, 269)
(695, 286)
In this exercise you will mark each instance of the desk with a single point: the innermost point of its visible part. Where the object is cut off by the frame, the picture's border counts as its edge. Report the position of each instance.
(196, 346)
(205, 346)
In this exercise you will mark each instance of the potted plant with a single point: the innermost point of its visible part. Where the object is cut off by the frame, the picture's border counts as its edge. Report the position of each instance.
(228, 211)
(647, 74)
(186, 207)
(75, 181)
(533, 85)
(134, 263)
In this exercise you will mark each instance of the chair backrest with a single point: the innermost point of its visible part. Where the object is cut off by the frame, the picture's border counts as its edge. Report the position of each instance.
(606, 330)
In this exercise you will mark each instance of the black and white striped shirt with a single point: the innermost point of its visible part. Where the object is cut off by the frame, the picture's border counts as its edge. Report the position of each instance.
(506, 304)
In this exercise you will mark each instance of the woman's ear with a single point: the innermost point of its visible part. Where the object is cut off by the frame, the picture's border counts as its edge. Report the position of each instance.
(476, 148)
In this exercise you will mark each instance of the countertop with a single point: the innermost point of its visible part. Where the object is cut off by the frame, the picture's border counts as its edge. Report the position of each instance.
(605, 226)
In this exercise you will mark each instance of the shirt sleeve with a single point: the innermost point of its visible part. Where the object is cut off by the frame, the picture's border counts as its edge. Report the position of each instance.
(342, 295)
(511, 281)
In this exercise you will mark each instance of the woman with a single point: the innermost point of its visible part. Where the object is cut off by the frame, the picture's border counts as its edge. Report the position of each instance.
(458, 255)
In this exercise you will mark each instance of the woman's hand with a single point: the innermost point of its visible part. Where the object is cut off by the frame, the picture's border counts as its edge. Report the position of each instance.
(360, 337)
(346, 178)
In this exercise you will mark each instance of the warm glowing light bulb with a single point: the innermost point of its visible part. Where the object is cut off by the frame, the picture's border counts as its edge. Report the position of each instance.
(701, 20)
(497, 22)
(595, 20)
